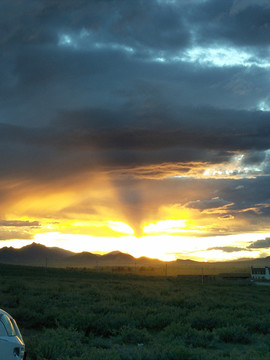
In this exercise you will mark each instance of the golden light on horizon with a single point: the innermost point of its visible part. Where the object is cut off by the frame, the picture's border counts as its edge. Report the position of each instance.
(149, 246)
(84, 218)
(163, 247)
(120, 227)
(167, 226)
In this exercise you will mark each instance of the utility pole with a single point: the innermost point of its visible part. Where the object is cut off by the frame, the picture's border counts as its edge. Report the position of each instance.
(202, 275)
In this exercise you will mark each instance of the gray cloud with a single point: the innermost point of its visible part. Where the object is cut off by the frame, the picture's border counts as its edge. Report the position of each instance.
(18, 223)
(260, 244)
(136, 23)
(227, 249)
(254, 193)
(133, 23)
(110, 56)
(220, 21)
(208, 204)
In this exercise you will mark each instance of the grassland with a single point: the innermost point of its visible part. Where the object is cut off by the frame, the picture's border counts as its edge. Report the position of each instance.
(85, 315)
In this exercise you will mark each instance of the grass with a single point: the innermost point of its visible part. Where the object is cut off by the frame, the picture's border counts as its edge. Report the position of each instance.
(81, 315)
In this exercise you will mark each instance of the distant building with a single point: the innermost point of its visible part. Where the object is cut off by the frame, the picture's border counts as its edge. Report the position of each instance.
(260, 273)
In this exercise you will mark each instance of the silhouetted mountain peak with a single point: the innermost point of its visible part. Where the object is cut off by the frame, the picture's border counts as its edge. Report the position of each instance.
(116, 252)
(32, 254)
(35, 245)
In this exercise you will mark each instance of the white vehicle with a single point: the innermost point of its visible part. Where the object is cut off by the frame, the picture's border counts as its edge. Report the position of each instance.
(11, 342)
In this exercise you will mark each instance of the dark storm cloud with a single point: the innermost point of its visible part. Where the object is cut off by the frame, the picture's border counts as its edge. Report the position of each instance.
(260, 244)
(201, 127)
(44, 79)
(111, 139)
(231, 23)
(147, 24)
(197, 128)
(145, 28)
(72, 55)
(132, 23)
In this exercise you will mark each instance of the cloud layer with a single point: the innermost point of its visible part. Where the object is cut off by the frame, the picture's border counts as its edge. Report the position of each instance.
(165, 104)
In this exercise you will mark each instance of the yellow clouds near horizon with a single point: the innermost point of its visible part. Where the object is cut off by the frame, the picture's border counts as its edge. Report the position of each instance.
(158, 217)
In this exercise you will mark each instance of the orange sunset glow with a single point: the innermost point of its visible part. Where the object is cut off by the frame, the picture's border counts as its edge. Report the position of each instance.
(90, 214)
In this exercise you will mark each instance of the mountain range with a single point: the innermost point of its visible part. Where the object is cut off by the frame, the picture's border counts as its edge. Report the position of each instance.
(40, 255)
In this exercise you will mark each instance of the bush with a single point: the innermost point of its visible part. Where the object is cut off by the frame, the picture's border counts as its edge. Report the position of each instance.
(234, 334)
(30, 319)
(55, 344)
(205, 322)
(177, 352)
(158, 320)
(132, 335)
(200, 338)
(259, 325)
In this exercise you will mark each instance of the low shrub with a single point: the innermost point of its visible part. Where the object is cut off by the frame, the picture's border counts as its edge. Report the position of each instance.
(234, 334)
(55, 344)
(132, 335)
(200, 338)
(205, 322)
(259, 325)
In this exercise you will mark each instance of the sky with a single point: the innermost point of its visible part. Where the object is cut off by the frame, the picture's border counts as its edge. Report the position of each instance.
(141, 126)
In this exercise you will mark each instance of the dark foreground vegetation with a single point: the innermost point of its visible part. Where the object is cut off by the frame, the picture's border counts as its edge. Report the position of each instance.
(85, 315)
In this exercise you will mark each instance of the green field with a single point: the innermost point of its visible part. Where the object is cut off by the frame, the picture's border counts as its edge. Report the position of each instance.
(86, 315)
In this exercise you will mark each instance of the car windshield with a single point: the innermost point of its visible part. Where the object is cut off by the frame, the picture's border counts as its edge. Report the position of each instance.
(5, 321)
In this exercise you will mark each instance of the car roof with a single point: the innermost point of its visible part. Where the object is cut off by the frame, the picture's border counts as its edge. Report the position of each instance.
(3, 312)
